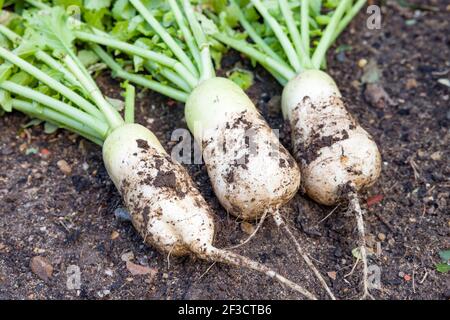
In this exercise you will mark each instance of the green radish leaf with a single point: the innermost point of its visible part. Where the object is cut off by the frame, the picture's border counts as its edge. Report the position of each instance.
(5, 101)
(116, 103)
(443, 267)
(123, 10)
(32, 123)
(96, 4)
(95, 18)
(53, 27)
(68, 3)
(22, 78)
(50, 128)
(323, 20)
(87, 57)
(243, 78)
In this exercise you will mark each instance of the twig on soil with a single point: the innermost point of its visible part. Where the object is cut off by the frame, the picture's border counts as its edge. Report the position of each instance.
(424, 277)
(328, 215)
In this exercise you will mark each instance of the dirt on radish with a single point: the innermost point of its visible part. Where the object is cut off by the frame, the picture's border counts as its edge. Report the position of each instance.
(69, 220)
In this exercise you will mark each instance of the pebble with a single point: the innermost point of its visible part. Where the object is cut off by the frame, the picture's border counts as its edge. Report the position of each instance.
(248, 228)
(401, 274)
(411, 84)
(41, 267)
(122, 214)
(332, 275)
(109, 272)
(436, 156)
(64, 167)
(114, 235)
(137, 270)
(362, 63)
(391, 242)
(127, 256)
(381, 236)
(104, 293)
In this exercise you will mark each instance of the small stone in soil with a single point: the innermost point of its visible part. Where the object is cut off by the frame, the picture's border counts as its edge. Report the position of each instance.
(381, 236)
(64, 167)
(127, 256)
(114, 235)
(332, 275)
(137, 270)
(41, 267)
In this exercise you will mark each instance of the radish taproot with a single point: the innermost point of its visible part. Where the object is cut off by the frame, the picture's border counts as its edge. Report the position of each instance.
(337, 157)
(166, 208)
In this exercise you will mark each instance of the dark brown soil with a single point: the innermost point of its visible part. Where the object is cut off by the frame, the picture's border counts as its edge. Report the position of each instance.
(70, 220)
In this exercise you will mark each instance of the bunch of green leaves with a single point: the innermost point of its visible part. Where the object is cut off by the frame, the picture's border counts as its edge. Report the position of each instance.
(46, 76)
(129, 26)
(295, 33)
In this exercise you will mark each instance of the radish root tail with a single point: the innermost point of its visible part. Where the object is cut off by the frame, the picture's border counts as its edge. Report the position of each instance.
(279, 221)
(219, 255)
(355, 206)
(250, 237)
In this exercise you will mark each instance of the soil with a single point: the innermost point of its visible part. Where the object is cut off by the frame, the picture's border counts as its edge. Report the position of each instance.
(69, 220)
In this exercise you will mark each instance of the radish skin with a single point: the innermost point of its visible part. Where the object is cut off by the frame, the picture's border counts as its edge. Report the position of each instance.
(166, 209)
(249, 169)
(332, 149)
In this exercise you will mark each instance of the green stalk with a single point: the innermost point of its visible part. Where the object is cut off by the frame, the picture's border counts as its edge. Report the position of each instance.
(130, 94)
(46, 114)
(253, 34)
(294, 60)
(112, 115)
(168, 74)
(328, 34)
(42, 56)
(37, 4)
(263, 59)
(304, 25)
(138, 79)
(347, 18)
(52, 83)
(188, 38)
(165, 36)
(99, 126)
(295, 35)
(144, 53)
(202, 43)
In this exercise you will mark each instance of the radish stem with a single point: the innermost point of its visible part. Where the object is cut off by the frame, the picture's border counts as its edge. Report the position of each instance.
(304, 24)
(327, 37)
(49, 81)
(62, 107)
(130, 93)
(294, 60)
(167, 38)
(138, 79)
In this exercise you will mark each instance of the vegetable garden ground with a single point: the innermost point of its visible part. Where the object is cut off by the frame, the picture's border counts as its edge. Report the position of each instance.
(68, 218)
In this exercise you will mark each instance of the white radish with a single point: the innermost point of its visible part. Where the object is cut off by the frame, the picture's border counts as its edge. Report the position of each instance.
(249, 169)
(166, 208)
(332, 148)
(337, 156)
